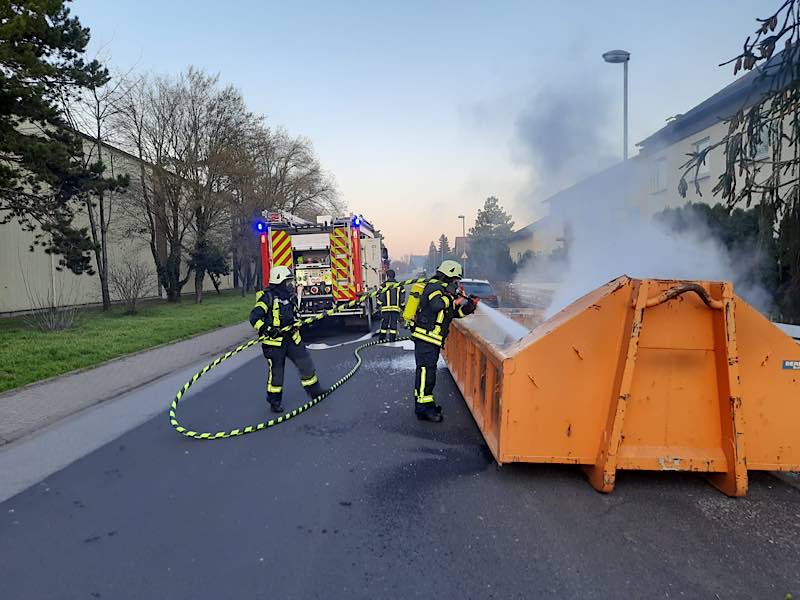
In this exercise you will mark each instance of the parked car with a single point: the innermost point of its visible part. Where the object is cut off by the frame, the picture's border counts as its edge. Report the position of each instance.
(482, 289)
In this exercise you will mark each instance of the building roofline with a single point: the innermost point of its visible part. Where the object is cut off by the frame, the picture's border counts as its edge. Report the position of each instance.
(742, 92)
(108, 146)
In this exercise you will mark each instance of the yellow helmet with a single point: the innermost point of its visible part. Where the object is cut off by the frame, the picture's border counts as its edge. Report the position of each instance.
(279, 274)
(450, 268)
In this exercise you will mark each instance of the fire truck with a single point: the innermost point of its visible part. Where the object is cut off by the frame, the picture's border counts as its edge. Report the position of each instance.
(334, 260)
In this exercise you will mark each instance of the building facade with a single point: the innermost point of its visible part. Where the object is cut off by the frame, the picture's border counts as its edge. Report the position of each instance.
(31, 279)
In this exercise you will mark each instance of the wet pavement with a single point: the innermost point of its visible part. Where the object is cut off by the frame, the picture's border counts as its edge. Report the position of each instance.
(357, 499)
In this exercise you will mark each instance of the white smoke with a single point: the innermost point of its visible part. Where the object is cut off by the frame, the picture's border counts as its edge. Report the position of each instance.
(609, 235)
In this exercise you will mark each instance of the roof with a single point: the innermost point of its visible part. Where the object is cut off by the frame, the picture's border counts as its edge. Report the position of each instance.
(522, 233)
(745, 91)
(615, 178)
(111, 147)
(530, 229)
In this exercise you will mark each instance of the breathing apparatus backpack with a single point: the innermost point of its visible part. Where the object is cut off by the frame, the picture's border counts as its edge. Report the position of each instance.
(412, 302)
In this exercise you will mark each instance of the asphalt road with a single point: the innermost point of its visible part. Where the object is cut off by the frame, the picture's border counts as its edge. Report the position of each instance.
(357, 499)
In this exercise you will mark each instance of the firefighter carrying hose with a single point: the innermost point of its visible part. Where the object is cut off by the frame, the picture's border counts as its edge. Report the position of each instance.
(275, 308)
(390, 300)
(439, 303)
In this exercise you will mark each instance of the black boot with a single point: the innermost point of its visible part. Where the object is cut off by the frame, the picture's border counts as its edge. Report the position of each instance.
(431, 412)
(430, 415)
(315, 390)
(274, 400)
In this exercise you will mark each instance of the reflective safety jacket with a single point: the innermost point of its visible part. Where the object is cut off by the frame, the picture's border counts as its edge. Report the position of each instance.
(274, 309)
(390, 299)
(436, 309)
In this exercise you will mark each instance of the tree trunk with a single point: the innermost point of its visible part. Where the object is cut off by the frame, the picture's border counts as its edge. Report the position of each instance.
(99, 254)
(103, 268)
(199, 276)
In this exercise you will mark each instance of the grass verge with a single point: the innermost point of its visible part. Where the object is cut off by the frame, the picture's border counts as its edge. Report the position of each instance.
(27, 355)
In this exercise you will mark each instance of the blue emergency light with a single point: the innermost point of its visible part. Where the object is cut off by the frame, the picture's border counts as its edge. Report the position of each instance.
(356, 221)
(260, 226)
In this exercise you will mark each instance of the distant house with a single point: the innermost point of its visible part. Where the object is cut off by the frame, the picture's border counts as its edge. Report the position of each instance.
(540, 237)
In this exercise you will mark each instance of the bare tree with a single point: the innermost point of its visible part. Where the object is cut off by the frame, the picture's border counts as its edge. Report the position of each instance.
(208, 168)
(131, 281)
(290, 176)
(91, 114)
(150, 122)
(216, 120)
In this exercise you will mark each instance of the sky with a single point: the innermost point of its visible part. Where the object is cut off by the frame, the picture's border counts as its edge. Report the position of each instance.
(421, 110)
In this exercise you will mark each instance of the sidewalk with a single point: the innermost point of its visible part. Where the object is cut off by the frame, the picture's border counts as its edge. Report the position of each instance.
(32, 407)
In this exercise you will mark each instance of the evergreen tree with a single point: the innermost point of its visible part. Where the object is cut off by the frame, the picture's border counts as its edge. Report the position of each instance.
(432, 264)
(444, 248)
(41, 174)
(488, 242)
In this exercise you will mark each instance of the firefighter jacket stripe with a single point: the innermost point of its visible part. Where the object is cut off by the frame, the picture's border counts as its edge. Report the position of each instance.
(390, 298)
(279, 314)
(435, 312)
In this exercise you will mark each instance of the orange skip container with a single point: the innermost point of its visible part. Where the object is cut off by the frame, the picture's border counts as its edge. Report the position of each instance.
(639, 374)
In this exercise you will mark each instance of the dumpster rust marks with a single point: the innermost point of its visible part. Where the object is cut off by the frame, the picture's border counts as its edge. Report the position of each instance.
(533, 381)
(669, 464)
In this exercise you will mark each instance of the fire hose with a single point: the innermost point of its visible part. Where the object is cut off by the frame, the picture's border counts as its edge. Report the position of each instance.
(209, 435)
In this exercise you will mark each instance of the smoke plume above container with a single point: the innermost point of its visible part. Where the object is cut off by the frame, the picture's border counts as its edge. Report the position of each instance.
(563, 135)
(568, 134)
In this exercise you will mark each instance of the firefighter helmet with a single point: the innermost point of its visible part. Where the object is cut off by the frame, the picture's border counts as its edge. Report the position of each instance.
(450, 268)
(280, 274)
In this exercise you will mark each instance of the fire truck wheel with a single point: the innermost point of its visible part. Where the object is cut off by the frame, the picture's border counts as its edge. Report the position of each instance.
(367, 323)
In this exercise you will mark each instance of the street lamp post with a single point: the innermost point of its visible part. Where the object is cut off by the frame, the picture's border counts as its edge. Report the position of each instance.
(464, 242)
(615, 57)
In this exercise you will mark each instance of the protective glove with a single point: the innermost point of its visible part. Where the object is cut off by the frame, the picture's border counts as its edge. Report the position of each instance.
(268, 331)
(470, 304)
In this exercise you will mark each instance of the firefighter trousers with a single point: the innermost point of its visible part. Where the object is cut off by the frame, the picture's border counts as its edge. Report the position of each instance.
(389, 325)
(426, 356)
(276, 365)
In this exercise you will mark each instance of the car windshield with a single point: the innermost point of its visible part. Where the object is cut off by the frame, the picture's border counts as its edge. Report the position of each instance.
(477, 288)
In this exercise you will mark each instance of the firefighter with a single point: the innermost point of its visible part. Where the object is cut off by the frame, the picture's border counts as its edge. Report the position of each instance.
(275, 308)
(438, 305)
(390, 300)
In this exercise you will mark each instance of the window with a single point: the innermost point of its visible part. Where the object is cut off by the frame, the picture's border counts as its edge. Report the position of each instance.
(699, 146)
(763, 148)
(659, 176)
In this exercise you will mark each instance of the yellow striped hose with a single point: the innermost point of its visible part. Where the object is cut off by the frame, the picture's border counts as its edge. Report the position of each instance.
(209, 435)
